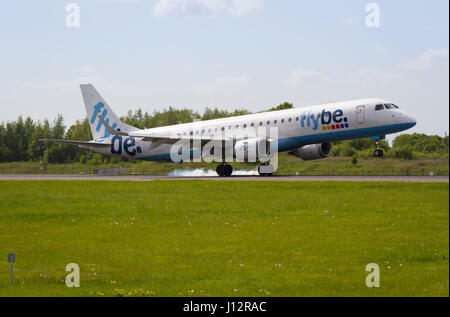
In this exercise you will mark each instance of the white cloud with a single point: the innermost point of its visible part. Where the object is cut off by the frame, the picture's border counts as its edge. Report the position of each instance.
(126, 1)
(426, 60)
(221, 84)
(205, 7)
(187, 7)
(241, 7)
(300, 75)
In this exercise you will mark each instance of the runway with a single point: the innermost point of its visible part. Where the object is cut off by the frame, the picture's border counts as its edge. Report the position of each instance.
(81, 177)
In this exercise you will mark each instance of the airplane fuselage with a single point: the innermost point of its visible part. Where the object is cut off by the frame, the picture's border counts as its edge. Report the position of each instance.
(297, 127)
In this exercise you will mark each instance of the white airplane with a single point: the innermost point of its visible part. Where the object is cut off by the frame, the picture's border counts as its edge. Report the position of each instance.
(306, 132)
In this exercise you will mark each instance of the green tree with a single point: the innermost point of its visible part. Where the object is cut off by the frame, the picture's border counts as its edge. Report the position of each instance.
(282, 106)
(421, 143)
(36, 148)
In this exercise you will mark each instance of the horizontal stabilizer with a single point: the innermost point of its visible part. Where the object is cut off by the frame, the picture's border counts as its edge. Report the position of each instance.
(83, 143)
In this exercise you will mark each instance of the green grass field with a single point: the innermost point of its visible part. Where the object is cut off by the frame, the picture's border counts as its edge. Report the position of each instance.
(214, 238)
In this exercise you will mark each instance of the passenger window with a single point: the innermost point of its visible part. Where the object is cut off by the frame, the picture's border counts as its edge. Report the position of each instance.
(275, 121)
(282, 120)
(268, 122)
(290, 119)
(379, 107)
(297, 118)
(260, 124)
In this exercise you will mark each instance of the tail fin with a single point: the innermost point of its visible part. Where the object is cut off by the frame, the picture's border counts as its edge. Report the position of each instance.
(95, 106)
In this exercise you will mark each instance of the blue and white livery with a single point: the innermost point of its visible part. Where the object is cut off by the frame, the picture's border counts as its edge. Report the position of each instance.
(306, 132)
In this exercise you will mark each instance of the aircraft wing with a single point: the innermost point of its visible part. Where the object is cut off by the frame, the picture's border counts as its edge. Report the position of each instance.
(71, 142)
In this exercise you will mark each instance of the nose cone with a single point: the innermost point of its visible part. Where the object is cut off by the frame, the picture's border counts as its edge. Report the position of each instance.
(408, 120)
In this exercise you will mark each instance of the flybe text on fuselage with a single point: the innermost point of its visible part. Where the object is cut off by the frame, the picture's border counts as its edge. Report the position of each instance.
(128, 145)
(328, 120)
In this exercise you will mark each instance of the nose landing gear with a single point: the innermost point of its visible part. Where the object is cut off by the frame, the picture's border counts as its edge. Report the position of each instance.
(224, 170)
(378, 152)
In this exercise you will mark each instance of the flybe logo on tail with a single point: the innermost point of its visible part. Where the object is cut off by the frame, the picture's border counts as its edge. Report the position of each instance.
(328, 120)
(97, 109)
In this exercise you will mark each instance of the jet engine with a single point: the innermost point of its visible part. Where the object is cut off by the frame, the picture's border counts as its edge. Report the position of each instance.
(313, 151)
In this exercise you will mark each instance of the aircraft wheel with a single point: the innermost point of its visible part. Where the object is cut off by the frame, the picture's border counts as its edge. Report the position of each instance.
(378, 153)
(220, 170)
(228, 170)
(263, 174)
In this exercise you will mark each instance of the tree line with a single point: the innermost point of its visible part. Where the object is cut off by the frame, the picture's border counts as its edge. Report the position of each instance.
(19, 138)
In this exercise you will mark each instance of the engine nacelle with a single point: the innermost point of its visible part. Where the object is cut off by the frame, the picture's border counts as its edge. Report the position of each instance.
(313, 151)
(248, 150)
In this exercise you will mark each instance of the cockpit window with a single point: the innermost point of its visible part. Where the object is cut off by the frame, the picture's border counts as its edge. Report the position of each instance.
(379, 107)
(389, 106)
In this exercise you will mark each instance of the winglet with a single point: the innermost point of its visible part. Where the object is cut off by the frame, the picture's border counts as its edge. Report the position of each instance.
(111, 130)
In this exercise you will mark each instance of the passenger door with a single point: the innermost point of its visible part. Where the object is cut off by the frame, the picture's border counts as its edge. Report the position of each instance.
(360, 116)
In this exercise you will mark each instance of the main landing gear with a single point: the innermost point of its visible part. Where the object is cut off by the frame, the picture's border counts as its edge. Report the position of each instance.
(378, 152)
(224, 170)
(265, 170)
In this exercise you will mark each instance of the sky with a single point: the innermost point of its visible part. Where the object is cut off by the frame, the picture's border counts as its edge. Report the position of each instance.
(252, 54)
